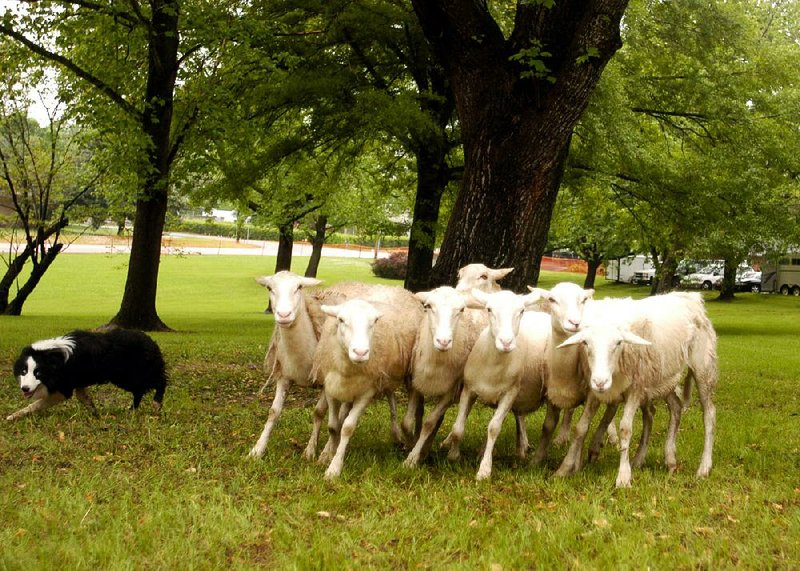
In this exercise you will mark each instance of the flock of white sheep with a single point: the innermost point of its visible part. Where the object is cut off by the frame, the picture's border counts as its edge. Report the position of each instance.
(516, 353)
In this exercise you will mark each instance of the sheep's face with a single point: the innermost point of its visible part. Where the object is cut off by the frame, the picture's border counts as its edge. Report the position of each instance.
(565, 303)
(444, 308)
(354, 328)
(603, 345)
(286, 295)
(478, 276)
(505, 310)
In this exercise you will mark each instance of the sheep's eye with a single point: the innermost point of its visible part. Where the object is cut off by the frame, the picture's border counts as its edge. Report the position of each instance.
(484, 277)
(299, 287)
(269, 289)
(552, 300)
(426, 306)
(461, 310)
(489, 309)
(521, 311)
(341, 320)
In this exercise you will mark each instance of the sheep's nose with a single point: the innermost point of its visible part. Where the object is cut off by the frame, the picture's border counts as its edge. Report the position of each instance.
(361, 353)
(283, 314)
(507, 344)
(574, 322)
(601, 385)
(443, 343)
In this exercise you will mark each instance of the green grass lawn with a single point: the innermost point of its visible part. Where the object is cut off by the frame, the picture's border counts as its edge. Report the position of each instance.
(176, 491)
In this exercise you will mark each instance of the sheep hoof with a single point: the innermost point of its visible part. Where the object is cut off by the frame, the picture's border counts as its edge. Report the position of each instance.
(483, 475)
(309, 454)
(331, 475)
(411, 462)
(593, 456)
(454, 454)
(255, 453)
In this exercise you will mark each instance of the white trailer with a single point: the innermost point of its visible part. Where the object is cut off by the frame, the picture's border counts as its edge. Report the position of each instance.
(633, 269)
(783, 277)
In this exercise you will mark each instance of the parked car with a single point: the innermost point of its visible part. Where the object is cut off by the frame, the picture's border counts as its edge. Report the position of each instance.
(749, 281)
(643, 277)
(707, 278)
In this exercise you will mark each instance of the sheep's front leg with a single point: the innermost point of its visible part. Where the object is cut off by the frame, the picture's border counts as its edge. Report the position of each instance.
(335, 419)
(42, 403)
(548, 427)
(281, 387)
(415, 401)
(503, 406)
(522, 436)
(572, 461)
(625, 432)
(453, 440)
(648, 414)
(83, 395)
(429, 428)
(346, 432)
(565, 428)
(602, 431)
(319, 413)
(675, 410)
(397, 435)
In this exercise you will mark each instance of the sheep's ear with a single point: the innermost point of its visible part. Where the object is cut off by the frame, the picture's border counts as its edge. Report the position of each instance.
(634, 339)
(574, 340)
(332, 310)
(422, 296)
(310, 282)
(500, 273)
(543, 293)
(480, 297)
(589, 293)
(264, 281)
(532, 298)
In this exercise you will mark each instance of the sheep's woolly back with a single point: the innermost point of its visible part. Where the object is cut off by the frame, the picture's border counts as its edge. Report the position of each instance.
(679, 331)
(392, 344)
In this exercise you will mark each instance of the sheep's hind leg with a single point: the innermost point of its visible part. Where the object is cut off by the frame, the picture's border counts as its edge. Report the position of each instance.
(347, 429)
(318, 415)
(453, 440)
(602, 431)
(564, 428)
(275, 410)
(397, 434)
(415, 401)
(548, 427)
(523, 445)
(648, 413)
(429, 428)
(572, 461)
(493, 430)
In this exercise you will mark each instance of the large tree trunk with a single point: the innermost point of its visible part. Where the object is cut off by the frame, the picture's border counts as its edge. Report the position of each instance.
(138, 307)
(285, 245)
(432, 179)
(317, 241)
(516, 125)
(665, 272)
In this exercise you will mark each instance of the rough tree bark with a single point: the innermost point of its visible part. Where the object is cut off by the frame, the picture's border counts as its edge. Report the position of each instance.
(727, 288)
(138, 307)
(665, 265)
(516, 126)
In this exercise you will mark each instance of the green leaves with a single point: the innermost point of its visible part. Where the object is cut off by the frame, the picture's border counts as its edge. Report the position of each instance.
(533, 58)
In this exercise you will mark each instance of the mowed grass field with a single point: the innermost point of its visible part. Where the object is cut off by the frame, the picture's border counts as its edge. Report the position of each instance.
(177, 491)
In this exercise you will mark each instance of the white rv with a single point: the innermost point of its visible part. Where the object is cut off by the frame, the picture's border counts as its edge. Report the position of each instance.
(632, 270)
(783, 277)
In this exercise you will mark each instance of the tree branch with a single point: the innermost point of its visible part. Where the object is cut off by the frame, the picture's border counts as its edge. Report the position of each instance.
(102, 86)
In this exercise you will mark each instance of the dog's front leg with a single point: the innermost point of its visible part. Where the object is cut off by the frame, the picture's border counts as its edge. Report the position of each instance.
(84, 396)
(39, 404)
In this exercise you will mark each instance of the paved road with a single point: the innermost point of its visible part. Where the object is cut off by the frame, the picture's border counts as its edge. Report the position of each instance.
(224, 247)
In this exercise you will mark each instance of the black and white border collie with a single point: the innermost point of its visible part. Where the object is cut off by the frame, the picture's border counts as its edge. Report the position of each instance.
(49, 371)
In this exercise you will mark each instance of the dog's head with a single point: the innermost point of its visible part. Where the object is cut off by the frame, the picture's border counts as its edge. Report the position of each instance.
(39, 365)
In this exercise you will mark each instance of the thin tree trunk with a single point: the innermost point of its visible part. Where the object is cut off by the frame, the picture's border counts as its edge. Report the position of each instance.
(592, 265)
(15, 306)
(138, 307)
(728, 286)
(317, 241)
(665, 273)
(285, 245)
(432, 179)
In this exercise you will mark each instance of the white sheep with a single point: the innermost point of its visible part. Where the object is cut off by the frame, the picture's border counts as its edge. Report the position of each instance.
(637, 352)
(479, 276)
(364, 351)
(506, 368)
(444, 340)
(299, 320)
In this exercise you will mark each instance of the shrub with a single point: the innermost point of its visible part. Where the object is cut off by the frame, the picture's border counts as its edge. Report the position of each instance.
(393, 267)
